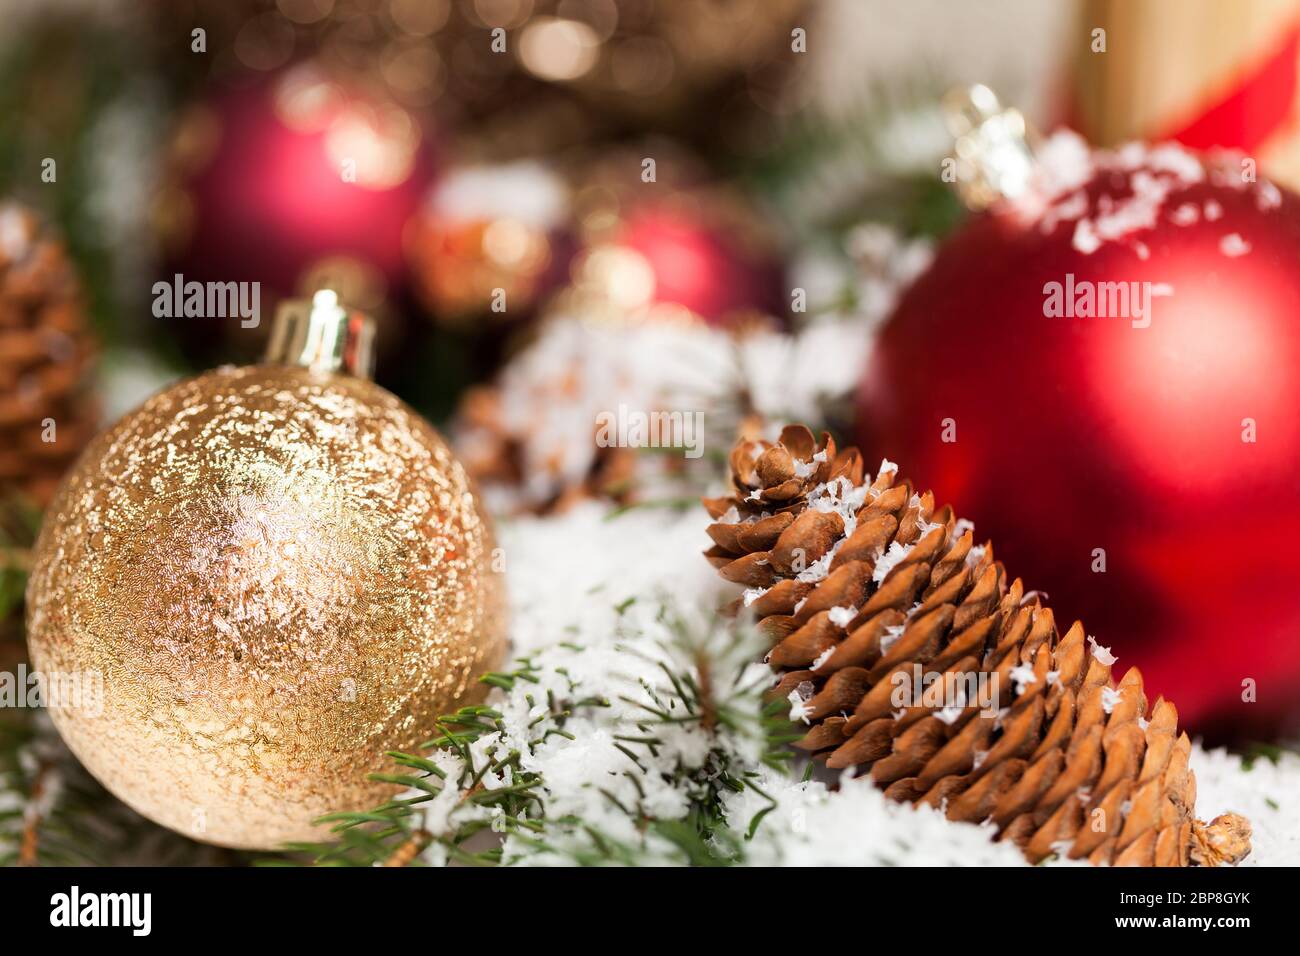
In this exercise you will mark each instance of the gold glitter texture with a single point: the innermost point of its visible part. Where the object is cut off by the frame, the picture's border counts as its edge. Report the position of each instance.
(279, 574)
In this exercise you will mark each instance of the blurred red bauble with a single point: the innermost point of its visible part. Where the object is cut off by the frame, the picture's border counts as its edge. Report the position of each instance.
(696, 264)
(276, 182)
(690, 257)
(674, 246)
(1110, 362)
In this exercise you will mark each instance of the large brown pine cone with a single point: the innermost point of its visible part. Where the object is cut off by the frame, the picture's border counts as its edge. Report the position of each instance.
(46, 414)
(863, 586)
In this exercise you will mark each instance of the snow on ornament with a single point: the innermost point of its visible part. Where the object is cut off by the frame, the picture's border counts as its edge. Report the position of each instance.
(1101, 367)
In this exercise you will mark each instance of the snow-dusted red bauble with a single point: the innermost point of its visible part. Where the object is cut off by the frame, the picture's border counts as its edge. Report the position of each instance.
(1103, 372)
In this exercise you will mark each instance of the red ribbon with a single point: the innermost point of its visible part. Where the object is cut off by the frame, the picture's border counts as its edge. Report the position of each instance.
(1258, 106)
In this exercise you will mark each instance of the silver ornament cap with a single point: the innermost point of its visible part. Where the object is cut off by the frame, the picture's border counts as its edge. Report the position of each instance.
(323, 335)
(992, 146)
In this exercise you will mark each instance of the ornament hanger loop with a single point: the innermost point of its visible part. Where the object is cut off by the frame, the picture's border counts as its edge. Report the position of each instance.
(991, 146)
(322, 335)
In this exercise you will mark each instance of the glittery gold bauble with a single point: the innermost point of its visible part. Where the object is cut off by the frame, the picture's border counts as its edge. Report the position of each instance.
(273, 574)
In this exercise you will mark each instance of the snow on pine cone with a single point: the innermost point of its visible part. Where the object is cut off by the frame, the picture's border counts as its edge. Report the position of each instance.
(862, 586)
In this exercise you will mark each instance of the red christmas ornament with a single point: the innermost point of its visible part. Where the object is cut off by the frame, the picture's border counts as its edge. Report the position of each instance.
(696, 256)
(697, 266)
(675, 246)
(278, 182)
(1102, 371)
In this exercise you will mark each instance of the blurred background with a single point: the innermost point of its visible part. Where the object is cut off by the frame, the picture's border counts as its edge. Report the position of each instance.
(477, 170)
(501, 194)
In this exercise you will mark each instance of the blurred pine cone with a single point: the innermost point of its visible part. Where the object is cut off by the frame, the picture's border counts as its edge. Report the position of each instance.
(863, 586)
(46, 411)
(513, 466)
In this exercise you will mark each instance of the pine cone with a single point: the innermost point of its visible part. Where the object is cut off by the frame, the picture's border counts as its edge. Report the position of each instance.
(863, 586)
(45, 358)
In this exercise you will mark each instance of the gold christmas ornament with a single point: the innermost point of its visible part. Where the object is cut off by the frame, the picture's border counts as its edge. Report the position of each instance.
(261, 580)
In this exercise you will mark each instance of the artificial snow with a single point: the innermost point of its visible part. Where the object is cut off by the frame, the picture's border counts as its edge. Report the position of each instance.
(841, 616)
(1102, 654)
(1147, 177)
(1109, 698)
(893, 556)
(822, 658)
(1267, 196)
(856, 825)
(1232, 245)
(799, 709)
(1022, 675)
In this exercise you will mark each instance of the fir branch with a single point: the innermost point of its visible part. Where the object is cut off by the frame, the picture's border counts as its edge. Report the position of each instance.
(689, 727)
